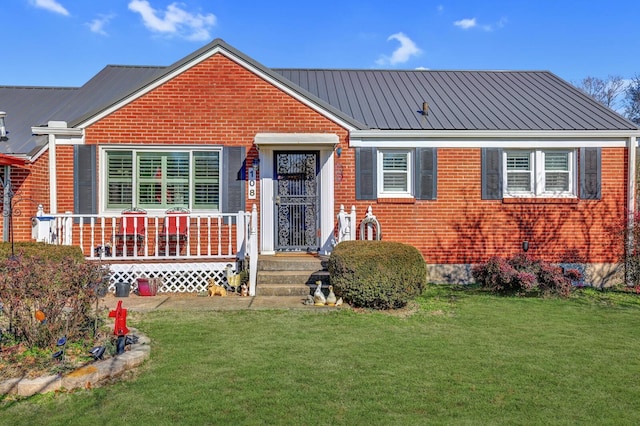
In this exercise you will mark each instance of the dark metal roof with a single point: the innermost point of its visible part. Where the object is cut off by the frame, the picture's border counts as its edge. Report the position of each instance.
(458, 100)
(35, 106)
(111, 84)
(27, 107)
(364, 99)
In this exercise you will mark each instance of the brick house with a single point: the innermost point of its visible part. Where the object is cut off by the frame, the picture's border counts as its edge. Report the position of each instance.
(462, 165)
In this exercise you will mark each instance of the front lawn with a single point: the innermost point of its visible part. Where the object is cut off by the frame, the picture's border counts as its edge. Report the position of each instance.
(459, 357)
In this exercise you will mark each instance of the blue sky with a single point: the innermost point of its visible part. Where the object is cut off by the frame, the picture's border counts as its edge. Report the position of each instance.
(66, 42)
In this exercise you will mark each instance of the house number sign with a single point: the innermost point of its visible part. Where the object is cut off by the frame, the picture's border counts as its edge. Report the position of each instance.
(252, 183)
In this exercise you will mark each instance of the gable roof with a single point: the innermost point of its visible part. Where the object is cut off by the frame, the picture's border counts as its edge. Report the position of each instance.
(358, 99)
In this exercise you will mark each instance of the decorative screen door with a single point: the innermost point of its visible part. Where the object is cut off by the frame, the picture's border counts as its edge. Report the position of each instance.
(296, 200)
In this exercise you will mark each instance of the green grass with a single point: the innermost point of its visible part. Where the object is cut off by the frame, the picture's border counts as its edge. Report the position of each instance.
(461, 357)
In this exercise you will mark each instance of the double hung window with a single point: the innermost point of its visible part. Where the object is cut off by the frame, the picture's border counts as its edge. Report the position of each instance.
(395, 171)
(539, 173)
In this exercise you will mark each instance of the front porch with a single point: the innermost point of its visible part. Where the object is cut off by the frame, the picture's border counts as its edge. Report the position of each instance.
(202, 247)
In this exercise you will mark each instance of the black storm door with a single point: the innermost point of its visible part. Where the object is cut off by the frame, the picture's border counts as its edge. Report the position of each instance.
(296, 200)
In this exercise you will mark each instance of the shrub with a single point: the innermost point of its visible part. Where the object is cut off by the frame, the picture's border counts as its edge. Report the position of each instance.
(377, 274)
(522, 274)
(42, 250)
(63, 290)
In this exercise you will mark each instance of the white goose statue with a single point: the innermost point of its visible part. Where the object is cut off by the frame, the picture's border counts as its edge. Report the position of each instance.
(318, 296)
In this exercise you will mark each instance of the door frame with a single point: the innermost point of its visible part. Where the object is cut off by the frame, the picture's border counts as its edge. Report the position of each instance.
(324, 143)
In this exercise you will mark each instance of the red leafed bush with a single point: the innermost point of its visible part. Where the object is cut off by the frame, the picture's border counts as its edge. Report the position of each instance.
(43, 299)
(521, 275)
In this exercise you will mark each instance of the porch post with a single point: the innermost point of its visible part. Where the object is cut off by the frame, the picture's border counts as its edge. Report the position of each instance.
(253, 251)
(241, 236)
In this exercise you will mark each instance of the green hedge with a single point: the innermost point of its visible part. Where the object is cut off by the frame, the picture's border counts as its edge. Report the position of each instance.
(43, 250)
(377, 274)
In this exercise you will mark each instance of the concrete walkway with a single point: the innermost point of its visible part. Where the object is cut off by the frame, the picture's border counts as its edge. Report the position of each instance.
(189, 301)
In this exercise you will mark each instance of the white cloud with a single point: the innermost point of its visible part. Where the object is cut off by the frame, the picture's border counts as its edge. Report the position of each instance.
(51, 6)
(174, 20)
(403, 53)
(466, 24)
(98, 24)
(469, 23)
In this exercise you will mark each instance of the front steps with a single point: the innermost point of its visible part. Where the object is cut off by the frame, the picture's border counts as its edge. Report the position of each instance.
(290, 274)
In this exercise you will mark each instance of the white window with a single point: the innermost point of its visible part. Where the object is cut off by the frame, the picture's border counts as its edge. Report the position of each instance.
(162, 179)
(544, 173)
(394, 173)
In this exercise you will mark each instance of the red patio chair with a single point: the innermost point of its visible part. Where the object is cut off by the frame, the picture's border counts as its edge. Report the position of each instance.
(175, 232)
(131, 233)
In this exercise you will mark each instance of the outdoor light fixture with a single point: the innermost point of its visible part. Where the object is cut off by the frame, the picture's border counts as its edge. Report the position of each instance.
(339, 151)
(525, 246)
(256, 163)
(3, 129)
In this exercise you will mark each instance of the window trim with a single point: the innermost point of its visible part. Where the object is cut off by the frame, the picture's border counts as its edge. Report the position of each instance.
(381, 193)
(104, 187)
(538, 174)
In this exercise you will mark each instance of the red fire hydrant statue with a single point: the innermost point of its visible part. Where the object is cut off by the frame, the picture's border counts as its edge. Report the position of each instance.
(120, 328)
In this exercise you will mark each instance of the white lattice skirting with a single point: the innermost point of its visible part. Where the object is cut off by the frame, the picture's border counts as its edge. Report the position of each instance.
(176, 277)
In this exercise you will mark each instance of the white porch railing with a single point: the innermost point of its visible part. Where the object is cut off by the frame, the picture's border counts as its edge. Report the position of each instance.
(128, 239)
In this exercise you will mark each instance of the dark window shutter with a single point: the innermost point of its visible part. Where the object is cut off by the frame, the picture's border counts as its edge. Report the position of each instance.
(366, 185)
(233, 168)
(84, 182)
(491, 173)
(426, 173)
(590, 173)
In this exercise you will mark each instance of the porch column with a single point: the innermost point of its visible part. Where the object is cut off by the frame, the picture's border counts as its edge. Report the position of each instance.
(53, 176)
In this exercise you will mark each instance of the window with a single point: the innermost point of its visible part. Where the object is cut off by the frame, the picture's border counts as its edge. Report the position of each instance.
(395, 172)
(163, 179)
(539, 173)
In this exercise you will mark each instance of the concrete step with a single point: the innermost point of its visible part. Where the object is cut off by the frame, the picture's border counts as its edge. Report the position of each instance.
(290, 263)
(291, 277)
(283, 290)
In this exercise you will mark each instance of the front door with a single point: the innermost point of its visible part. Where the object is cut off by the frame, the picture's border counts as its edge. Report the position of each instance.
(296, 200)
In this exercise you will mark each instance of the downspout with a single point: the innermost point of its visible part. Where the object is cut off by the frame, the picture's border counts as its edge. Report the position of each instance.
(53, 176)
(631, 198)
(6, 185)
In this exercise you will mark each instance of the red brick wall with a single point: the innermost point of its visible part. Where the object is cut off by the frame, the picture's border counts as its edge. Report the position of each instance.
(31, 187)
(460, 227)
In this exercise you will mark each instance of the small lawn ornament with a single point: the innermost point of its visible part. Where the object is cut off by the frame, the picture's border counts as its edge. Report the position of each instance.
(331, 298)
(244, 290)
(233, 279)
(215, 289)
(318, 296)
(120, 327)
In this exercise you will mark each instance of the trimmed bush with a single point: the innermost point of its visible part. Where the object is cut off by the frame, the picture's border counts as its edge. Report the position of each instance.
(42, 250)
(377, 274)
(521, 275)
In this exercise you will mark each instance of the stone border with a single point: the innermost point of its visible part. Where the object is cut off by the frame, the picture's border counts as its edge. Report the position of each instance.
(88, 376)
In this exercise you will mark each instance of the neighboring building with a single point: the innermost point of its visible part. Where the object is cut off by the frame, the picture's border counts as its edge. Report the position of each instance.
(463, 165)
